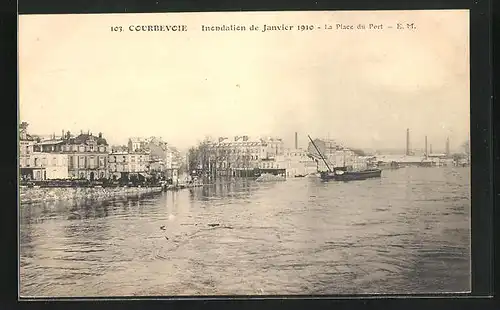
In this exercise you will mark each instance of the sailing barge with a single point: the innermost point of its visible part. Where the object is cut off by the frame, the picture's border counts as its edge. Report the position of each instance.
(342, 174)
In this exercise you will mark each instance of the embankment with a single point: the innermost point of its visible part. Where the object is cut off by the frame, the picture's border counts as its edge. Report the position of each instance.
(32, 195)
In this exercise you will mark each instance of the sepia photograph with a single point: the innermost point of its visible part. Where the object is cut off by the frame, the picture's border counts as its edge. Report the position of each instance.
(244, 153)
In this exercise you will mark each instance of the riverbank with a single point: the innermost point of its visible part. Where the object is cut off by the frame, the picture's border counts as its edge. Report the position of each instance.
(32, 195)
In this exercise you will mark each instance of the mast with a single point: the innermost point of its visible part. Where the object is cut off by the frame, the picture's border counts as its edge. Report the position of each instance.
(324, 160)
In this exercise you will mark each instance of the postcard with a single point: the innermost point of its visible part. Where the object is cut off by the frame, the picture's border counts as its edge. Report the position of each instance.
(244, 153)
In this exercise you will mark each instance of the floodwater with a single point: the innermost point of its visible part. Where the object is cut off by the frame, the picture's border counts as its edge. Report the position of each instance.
(407, 232)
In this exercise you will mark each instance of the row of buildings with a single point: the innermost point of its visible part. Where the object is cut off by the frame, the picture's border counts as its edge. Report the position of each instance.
(88, 156)
(242, 155)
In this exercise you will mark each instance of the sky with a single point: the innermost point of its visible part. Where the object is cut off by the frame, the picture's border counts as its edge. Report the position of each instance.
(363, 88)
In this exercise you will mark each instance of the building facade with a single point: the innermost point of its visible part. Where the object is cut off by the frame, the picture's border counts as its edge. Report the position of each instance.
(164, 159)
(240, 154)
(49, 166)
(336, 155)
(137, 144)
(299, 163)
(87, 154)
(26, 143)
(124, 163)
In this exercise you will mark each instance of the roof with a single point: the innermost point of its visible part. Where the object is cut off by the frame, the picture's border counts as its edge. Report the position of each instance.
(28, 138)
(138, 139)
(50, 142)
(84, 137)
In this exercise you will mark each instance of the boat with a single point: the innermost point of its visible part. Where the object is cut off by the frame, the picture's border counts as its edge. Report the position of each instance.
(343, 174)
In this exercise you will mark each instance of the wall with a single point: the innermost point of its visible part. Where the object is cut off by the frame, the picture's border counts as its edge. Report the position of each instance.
(49, 165)
(25, 151)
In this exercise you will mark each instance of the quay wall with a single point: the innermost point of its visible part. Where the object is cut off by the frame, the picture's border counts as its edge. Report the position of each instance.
(32, 195)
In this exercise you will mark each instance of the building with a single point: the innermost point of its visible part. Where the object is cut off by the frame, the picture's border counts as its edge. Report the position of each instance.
(87, 154)
(164, 159)
(403, 160)
(26, 143)
(124, 164)
(440, 159)
(335, 155)
(299, 163)
(46, 166)
(136, 144)
(240, 155)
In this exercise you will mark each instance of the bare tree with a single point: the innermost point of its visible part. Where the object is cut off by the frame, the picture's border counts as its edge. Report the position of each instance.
(23, 126)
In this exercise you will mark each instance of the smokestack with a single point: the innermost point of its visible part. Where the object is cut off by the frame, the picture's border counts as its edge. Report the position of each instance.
(426, 147)
(448, 146)
(296, 141)
(430, 149)
(408, 141)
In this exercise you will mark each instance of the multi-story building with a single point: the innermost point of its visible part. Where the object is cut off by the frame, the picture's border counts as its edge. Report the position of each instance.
(237, 156)
(299, 163)
(47, 166)
(87, 154)
(164, 159)
(335, 155)
(124, 163)
(136, 144)
(26, 143)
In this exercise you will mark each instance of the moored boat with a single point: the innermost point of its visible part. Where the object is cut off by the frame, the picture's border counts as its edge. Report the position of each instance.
(341, 175)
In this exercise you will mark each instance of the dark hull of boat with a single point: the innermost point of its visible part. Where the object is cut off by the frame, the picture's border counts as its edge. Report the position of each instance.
(351, 176)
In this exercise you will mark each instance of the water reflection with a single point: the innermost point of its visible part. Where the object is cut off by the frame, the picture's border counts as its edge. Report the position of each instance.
(407, 232)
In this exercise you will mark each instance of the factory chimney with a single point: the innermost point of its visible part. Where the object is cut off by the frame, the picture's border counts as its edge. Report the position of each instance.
(296, 141)
(448, 147)
(408, 142)
(426, 154)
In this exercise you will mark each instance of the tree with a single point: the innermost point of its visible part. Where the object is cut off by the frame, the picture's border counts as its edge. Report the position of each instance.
(466, 147)
(193, 158)
(23, 126)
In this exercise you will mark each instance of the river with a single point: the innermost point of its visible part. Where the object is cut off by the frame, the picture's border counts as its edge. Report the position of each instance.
(407, 232)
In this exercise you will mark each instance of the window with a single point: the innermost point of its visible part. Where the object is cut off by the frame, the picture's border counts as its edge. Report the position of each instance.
(54, 161)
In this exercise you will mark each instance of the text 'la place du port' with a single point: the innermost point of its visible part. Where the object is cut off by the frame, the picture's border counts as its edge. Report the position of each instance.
(151, 28)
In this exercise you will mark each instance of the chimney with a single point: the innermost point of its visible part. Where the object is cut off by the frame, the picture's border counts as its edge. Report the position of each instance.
(448, 146)
(296, 140)
(100, 135)
(426, 147)
(408, 141)
(62, 134)
(430, 149)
